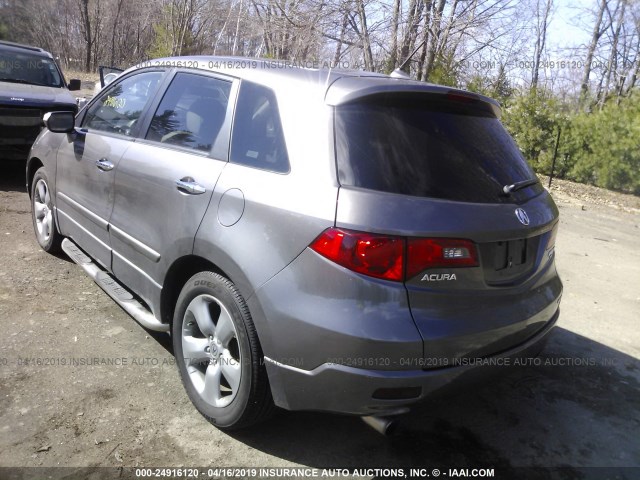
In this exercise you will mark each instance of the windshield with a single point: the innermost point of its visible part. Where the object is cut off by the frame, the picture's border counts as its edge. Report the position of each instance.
(18, 67)
(429, 146)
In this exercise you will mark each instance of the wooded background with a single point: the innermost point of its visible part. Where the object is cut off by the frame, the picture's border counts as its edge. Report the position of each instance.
(589, 92)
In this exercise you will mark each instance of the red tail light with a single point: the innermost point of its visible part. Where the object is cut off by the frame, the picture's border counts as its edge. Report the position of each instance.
(379, 256)
(383, 256)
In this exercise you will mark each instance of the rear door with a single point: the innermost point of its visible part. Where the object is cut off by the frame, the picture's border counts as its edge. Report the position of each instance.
(433, 168)
(164, 181)
(88, 158)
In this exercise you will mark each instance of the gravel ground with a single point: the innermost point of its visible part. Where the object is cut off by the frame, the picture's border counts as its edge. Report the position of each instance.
(577, 193)
(134, 412)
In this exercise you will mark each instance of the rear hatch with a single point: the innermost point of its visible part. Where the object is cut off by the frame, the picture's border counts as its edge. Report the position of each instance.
(431, 167)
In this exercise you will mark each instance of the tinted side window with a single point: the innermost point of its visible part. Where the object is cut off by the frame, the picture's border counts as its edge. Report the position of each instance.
(191, 112)
(119, 108)
(257, 139)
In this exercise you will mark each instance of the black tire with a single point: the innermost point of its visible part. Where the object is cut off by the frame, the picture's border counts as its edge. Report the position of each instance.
(44, 222)
(252, 401)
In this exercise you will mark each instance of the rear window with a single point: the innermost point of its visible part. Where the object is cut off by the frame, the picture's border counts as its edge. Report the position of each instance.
(428, 146)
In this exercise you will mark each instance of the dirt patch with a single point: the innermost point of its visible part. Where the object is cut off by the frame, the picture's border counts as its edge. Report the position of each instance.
(590, 195)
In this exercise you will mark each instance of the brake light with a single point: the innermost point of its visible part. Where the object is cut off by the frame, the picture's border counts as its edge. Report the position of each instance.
(379, 256)
(383, 256)
(460, 97)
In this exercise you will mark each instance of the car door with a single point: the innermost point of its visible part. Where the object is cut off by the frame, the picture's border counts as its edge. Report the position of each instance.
(108, 75)
(164, 181)
(88, 158)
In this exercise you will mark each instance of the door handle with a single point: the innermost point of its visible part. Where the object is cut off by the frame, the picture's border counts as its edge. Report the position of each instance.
(104, 165)
(190, 186)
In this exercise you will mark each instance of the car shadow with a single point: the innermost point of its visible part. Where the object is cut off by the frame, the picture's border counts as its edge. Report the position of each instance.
(551, 414)
(163, 339)
(13, 176)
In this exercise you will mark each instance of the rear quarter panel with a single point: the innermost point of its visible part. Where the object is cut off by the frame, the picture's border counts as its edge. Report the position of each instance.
(281, 214)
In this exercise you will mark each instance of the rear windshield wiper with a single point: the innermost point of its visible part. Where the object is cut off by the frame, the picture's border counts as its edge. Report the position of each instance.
(519, 185)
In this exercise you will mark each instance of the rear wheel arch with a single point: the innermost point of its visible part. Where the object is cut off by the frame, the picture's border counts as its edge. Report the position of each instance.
(186, 267)
(177, 276)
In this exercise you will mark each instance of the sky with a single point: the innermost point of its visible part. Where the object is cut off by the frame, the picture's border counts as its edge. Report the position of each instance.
(568, 36)
(571, 23)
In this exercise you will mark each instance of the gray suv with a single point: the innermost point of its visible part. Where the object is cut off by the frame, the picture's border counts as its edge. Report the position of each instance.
(312, 239)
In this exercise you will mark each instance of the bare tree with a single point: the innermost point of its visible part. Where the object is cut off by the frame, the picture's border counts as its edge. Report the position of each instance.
(87, 32)
(595, 37)
(616, 26)
(364, 35)
(542, 15)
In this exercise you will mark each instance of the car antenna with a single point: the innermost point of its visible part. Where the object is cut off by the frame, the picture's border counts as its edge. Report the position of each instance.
(399, 72)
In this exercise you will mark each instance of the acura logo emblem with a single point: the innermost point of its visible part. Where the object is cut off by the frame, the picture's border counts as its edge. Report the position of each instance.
(522, 216)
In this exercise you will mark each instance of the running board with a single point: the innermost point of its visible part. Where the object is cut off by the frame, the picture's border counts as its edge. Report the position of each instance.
(117, 292)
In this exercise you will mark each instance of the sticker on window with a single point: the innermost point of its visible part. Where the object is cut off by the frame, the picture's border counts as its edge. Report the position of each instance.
(115, 102)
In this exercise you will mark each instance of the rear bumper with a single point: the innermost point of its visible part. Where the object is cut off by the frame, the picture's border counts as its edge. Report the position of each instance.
(347, 389)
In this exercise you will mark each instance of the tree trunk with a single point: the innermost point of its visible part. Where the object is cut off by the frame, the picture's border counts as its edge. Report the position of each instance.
(235, 37)
(86, 30)
(426, 28)
(364, 32)
(633, 74)
(113, 33)
(595, 37)
(611, 64)
(343, 31)
(541, 39)
(413, 22)
(393, 55)
(435, 39)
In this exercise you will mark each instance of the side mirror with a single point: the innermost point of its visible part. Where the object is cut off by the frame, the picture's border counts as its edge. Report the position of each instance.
(59, 122)
(74, 84)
